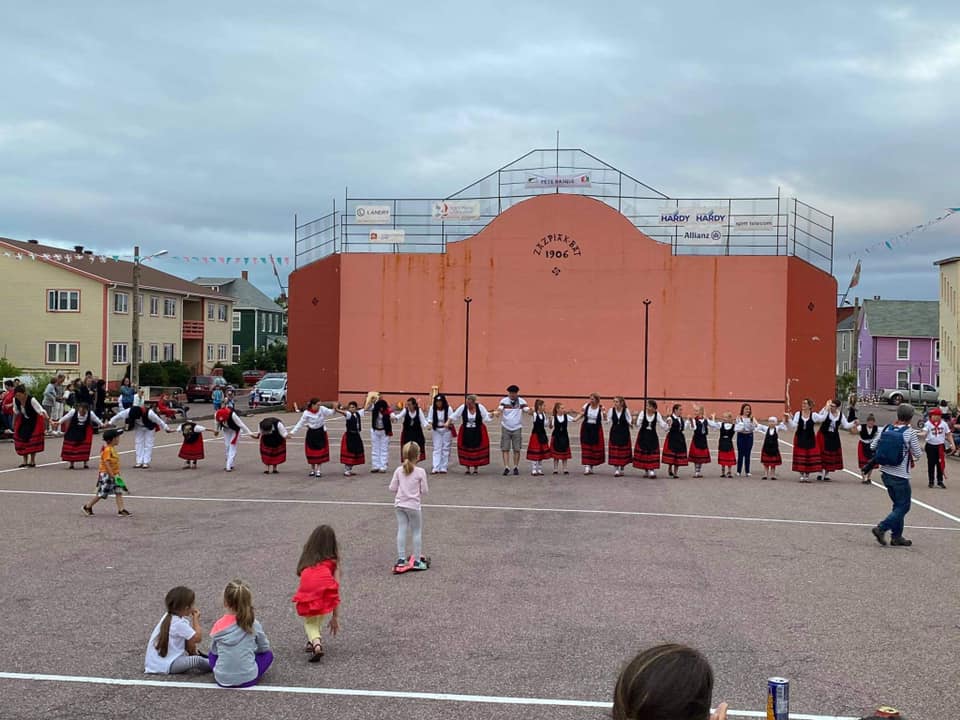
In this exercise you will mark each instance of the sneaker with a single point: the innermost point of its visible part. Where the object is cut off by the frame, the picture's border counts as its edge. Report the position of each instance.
(87, 510)
(820, 478)
(126, 513)
(375, 470)
(941, 486)
(901, 541)
(930, 485)
(516, 471)
(748, 474)
(879, 534)
(506, 471)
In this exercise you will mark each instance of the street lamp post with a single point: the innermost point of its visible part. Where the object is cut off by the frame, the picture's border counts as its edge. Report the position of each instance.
(466, 349)
(646, 347)
(135, 316)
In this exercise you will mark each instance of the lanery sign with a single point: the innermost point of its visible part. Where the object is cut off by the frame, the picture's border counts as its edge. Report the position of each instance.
(372, 214)
(456, 210)
(542, 181)
(387, 236)
(683, 217)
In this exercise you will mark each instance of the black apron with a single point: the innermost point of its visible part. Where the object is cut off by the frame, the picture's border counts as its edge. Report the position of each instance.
(700, 431)
(561, 438)
(472, 437)
(354, 441)
(28, 420)
(539, 428)
(77, 432)
(591, 431)
(316, 438)
(619, 429)
(806, 438)
(726, 438)
(647, 439)
(831, 434)
(412, 430)
(268, 433)
(675, 439)
(771, 443)
(867, 435)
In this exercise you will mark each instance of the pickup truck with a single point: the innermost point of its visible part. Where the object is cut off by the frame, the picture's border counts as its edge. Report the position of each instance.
(918, 393)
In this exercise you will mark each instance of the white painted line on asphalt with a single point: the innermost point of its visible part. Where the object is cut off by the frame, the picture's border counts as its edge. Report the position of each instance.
(494, 508)
(350, 692)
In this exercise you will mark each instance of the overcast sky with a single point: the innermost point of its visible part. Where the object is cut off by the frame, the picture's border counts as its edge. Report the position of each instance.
(203, 126)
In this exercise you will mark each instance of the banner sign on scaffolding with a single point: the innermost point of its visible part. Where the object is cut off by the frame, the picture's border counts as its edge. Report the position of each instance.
(684, 217)
(753, 223)
(456, 210)
(387, 236)
(549, 181)
(372, 214)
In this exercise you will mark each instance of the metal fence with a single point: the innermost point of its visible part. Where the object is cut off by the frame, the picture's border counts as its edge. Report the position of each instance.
(773, 225)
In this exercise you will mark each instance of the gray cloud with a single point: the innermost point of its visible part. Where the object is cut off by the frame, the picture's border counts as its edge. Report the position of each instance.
(208, 125)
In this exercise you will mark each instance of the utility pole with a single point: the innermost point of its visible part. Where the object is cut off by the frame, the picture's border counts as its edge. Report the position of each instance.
(135, 321)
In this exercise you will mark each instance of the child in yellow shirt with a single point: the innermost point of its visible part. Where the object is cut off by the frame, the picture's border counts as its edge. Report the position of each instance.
(109, 481)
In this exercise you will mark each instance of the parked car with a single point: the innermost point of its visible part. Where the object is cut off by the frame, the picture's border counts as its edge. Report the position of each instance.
(920, 393)
(201, 387)
(272, 391)
(251, 377)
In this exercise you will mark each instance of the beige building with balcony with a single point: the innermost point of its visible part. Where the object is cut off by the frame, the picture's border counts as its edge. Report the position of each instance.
(70, 311)
(949, 329)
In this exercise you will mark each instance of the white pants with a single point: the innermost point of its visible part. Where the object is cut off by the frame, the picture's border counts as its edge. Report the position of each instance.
(231, 441)
(441, 449)
(381, 449)
(143, 444)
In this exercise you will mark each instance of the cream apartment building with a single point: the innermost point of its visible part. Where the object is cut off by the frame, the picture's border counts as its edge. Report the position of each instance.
(68, 310)
(949, 329)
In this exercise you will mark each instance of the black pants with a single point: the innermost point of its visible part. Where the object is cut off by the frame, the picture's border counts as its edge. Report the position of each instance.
(933, 463)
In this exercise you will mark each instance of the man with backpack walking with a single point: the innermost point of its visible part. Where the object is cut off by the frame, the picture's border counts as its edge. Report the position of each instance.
(897, 450)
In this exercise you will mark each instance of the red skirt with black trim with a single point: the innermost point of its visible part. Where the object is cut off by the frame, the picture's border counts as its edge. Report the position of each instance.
(78, 451)
(830, 460)
(191, 450)
(768, 460)
(271, 456)
(726, 458)
(537, 451)
(670, 457)
(864, 454)
(620, 455)
(592, 453)
(645, 459)
(805, 460)
(699, 456)
(352, 459)
(474, 456)
(560, 454)
(33, 444)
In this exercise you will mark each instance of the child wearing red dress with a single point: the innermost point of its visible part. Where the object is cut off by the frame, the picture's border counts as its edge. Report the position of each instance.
(699, 449)
(191, 449)
(351, 444)
(726, 457)
(273, 444)
(318, 596)
(538, 449)
(78, 434)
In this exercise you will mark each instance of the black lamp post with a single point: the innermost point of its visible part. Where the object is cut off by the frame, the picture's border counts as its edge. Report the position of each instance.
(646, 347)
(466, 349)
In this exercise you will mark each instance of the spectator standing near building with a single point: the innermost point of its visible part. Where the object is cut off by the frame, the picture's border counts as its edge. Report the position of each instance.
(6, 408)
(512, 408)
(53, 401)
(897, 449)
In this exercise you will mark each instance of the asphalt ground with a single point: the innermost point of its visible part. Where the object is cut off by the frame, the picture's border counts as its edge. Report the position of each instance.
(540, 588)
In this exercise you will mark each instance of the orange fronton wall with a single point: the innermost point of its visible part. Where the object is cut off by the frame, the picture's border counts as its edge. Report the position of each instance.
(558, 284)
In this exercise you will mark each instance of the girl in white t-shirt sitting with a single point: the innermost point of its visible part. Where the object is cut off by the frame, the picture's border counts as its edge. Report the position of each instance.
(173, 643)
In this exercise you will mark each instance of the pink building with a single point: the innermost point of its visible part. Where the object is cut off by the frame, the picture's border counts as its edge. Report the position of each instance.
(898, 344)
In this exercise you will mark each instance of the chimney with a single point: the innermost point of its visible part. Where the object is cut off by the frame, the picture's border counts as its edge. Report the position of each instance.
(33, 242)
(876, 297)
(244, 274)
(78, 249)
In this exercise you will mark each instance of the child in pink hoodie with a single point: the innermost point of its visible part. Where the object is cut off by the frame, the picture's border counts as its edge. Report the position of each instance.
(409, 482)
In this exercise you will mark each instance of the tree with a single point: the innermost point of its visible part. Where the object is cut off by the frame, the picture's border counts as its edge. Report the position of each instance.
(8, 369)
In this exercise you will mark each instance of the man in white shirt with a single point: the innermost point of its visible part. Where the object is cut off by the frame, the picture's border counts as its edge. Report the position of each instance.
(896, 478)
(511, 409)
(939, 440)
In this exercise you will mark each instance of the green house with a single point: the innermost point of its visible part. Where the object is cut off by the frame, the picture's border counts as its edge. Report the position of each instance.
(257, 320)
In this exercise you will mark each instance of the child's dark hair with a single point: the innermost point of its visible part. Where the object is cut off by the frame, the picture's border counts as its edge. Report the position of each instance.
(652, 404)
(312, 401)
(677, 407)
(666, 682)
(416, 405)
(238, 597)
(538, 405)
(177, 600)
(320, 546)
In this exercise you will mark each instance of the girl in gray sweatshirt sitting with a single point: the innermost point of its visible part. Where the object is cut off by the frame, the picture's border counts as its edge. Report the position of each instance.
(240, 653)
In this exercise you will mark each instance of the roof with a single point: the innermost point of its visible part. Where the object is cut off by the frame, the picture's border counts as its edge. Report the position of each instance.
(845, 324)
(903, 318)
(246, 293)
(118, 272)
(946, 261)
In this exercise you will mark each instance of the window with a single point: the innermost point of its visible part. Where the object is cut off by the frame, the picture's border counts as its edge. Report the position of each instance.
(936, 351)
(209, 353)
(63, 353)
(154, 352)
(169, 308)
(209, 310)
(139, 352)
(221, 352)
(938, 379)
(903, 349)
(154, 305)
(843, 341)
(140, 304)
(119, 353)
(859, 348)
(903, 377)
(263, 322)
(236, 320)
(63, 301)
(120, 302)
(844, 366)
(168, 351)
(236, 353)
(222, 312)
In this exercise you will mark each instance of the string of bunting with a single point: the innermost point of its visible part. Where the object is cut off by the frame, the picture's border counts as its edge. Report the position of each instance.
(72, 258)
(902, 238)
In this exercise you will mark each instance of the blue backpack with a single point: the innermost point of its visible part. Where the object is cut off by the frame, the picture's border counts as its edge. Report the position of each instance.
(890, 447)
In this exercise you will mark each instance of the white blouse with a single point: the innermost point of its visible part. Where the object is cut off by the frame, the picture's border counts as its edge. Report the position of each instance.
(591, 415)
(313, 420)
(90, 417)
(626, 414)
(471, 418)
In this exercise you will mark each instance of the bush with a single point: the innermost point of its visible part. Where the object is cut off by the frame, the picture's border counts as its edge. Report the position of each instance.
(36, 384)
(268, 359)
(169, 373)
(8, 369)
(233, 374)
(846, 384)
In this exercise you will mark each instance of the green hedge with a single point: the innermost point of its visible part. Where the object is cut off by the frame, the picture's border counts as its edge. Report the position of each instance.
(169, 373)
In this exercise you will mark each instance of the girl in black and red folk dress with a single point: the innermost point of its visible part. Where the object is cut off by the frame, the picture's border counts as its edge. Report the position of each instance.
(646, 453)
(621, 447)
(351, 444)
(726, 457)
(560, 437)
(699, 449)
(867, 432)
(675, 444)
(828, 439)
(414, 421)
(473, 442)
(191, 449)
(806, 454)
(770, 451)
(592, 446)
(78, 437)
(29, 426)
(273, 444)
(539, 448)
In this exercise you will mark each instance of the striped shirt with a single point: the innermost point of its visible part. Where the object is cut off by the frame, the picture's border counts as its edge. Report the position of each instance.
(912, 441)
